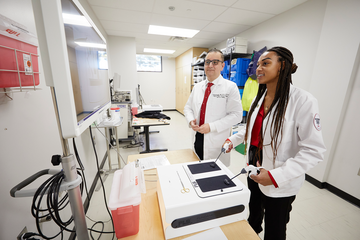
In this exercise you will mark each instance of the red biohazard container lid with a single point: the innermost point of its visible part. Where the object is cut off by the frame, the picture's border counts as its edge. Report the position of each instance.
(15, 30)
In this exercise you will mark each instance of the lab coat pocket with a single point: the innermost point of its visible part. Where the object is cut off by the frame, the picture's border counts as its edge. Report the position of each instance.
(288, 143)
(289, 131)
(216, 107)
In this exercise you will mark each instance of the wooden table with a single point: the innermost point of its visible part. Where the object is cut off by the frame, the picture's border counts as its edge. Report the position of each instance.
(146, 123)
(150, 219)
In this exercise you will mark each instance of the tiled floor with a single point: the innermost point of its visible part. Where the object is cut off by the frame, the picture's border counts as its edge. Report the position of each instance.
(317, 213)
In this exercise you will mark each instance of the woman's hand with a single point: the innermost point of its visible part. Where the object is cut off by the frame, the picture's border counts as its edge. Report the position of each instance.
(263, 177)
(231, 146)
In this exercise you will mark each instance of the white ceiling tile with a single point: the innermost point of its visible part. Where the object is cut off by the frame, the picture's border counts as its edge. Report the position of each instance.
(228, 28)
(217, 20)
(267, 6)
(120, 26)
(244, 17)
(139, 36)
(122, 33)
(227, 3)
(213, 35)
(121, 15)
(135, 5)
(189, 9)
(180, 22)
(205, 43)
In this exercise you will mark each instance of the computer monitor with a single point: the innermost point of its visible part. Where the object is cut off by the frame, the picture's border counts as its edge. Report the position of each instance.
(69, 43)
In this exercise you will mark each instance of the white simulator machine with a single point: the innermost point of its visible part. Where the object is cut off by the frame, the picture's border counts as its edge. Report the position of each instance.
(199, 195)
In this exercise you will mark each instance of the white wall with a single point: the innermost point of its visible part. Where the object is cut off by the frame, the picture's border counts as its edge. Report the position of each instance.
(346, 165)
(155, 88)
(122, 60)
(332, 81)
(29, 137)
(159, 88)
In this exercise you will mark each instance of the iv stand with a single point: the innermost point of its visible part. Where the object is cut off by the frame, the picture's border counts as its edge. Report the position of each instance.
(69, 167)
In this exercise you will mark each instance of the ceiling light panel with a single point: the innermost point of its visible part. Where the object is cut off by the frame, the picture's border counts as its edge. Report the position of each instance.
(152, 50)
(169, 31)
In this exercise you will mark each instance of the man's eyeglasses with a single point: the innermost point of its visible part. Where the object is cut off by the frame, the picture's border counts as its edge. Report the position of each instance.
(215, 62)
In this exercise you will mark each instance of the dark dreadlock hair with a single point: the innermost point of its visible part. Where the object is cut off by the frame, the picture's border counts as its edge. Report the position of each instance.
(281, 99)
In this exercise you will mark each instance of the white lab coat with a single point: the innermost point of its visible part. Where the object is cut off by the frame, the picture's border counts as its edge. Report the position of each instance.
(223, 110)
(301, 147)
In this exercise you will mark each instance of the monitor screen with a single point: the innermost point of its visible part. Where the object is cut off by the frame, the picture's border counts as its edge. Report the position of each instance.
(70, 44)
(90, 83)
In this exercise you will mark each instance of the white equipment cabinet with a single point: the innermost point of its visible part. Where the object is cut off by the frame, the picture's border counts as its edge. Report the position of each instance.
(125, 130)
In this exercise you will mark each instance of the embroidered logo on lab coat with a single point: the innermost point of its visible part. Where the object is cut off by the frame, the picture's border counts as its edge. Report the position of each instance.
(220, 95)
(317, 122)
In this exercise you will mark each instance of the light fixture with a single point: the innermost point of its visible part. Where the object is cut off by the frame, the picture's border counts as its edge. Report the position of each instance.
(170, 31)
(152, 50)
(75, 20)
(91, 45)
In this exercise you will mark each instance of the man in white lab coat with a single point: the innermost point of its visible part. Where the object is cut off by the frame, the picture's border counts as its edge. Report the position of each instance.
(213, 107)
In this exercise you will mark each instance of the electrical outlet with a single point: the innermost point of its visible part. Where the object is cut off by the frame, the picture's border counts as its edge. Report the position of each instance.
(21, 233)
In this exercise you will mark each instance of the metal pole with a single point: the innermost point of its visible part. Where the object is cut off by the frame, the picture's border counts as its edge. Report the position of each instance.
(108, 147)
(117, 147)
(69, 167)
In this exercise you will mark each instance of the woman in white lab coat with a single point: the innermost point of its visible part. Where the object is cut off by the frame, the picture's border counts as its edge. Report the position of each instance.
(282, 135)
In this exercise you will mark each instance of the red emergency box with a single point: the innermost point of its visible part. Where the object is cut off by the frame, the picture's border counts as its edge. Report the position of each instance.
(18, 55)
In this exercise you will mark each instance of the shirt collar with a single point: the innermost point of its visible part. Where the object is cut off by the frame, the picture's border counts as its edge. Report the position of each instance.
(215, 82)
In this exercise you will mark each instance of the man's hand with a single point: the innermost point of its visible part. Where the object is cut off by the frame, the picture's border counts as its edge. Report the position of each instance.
(263, 177)
(194, 126)
(205, 128)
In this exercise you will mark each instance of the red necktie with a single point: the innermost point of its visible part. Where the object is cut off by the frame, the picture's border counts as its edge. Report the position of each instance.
(203, 106)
